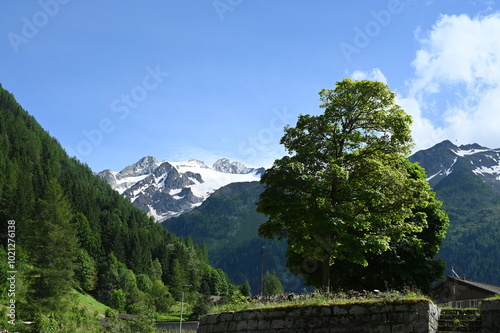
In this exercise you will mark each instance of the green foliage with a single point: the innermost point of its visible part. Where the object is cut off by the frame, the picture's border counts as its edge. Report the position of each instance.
(345, 190)
(345, 299)
(89, 303)
(85, 270)
(474, 248)
(118, 300)
(217, 281)
(142, 322)
(245, 289)
(144, 283)
(471, 244)
(88, 239)
(409, 262)
(52, 250)
(271, 285)
(201, 307)
(163, 300)
(177, 279)
(473, 206)
(155, 271)
(82, 315)
(4, 268)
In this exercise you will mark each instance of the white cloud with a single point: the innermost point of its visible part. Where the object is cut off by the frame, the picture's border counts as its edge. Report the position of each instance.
(424, 133)
(459, 50)
(374, 75)
(455, 91)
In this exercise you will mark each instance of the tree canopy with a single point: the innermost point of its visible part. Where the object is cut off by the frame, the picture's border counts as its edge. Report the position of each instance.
(344, 190)
(410, 262)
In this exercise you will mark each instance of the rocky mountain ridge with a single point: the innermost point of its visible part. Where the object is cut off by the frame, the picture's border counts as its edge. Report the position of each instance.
(466, 179)
(445, 158)
(167, 189)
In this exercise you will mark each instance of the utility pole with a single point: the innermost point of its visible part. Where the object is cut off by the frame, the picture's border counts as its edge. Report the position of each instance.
(182, 305)
(262, 271)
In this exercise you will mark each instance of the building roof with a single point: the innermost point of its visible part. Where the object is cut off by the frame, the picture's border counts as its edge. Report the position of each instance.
(484, 286)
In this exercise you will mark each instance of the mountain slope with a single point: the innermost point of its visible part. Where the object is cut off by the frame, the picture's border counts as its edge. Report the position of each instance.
(167, 189)
(467, 179)
(227, 224)
(226, 219)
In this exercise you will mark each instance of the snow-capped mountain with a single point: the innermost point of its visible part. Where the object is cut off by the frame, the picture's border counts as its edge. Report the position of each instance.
(466, 179)
(166, 189)
(446, 158)
(226, 166)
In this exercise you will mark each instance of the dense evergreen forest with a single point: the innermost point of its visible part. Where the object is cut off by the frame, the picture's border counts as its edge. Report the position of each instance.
(471, 245)
(227, 223)
(473, 205)
(73, 232)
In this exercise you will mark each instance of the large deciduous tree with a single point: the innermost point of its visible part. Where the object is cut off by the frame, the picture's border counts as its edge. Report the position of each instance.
(344, 190)
(410, 262)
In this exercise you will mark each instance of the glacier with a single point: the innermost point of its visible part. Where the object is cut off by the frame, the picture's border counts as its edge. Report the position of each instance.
(166, 189)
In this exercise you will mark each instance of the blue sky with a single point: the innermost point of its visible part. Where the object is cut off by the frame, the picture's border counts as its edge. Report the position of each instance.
(114, 81)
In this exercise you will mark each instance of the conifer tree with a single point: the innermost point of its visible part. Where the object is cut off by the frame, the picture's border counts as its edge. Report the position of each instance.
(85, 270)
(271, 285)
(245, 289)
(52, 247)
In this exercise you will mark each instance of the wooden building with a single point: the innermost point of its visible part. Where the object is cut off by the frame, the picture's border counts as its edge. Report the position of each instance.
(460, 293)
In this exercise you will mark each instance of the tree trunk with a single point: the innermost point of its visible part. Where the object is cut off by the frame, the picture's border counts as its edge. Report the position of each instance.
(326, 273)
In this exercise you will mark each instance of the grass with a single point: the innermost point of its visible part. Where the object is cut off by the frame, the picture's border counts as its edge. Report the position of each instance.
(93, 306)
(320, 299)
(493, 298)
(90, 304)
(175, 313)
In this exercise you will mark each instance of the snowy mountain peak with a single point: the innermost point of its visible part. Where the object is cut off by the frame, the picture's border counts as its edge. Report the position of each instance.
(225, 165)
(470, 149)
(144, 166)
(190, 164)
(445, 159)
(167, 189)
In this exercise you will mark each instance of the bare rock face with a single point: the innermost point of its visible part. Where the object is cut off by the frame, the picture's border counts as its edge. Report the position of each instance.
(446, 160)
(168, 189)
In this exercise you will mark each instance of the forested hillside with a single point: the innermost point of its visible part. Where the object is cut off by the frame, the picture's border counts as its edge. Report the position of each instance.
(72, 231)
(471, 245)
(227, 223)
(471, 197)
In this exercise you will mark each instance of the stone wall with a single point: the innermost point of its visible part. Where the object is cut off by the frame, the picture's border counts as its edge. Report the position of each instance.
(490, 316)
(365, 317)
(169, 326)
